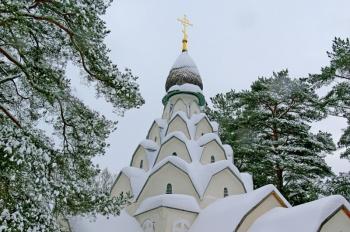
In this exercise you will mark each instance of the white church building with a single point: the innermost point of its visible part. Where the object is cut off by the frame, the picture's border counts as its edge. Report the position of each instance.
(183, 179)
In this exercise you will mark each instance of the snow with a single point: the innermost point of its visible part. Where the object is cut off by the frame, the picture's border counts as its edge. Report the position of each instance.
(228, 151)
(137, 178)
(186, 88)
(176, 201)
(123, 222)
(248, 181)
(206, 138)
(225, 214)
(149, 144)
(306, 217)
(185, 61)
(177, 134)
(215, 126)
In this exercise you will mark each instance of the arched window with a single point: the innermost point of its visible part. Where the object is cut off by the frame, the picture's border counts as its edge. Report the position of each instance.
(212, 159)
(141, 164)
(225, 192)
(169, 189)
(155, 139)
(174, 154)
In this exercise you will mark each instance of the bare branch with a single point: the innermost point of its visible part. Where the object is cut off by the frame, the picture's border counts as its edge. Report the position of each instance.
(9, 115)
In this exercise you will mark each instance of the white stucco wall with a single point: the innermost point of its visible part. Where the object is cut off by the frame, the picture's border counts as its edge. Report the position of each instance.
(154, 134)
(202, 128)
(212, 149)
(164, 218)
(218, 182)
(178, 124)
(267, 204)
(339, 222)
(140, 154)
(156, 184)
(187, 103)
(122, 185)
(174, 145)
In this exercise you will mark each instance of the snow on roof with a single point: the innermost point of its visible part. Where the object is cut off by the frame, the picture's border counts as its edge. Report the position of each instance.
(176, 201)
(185, 61)
(137, 177)
(161, 122)
(149, 144)
(206, 138)
(248, 181)
(177, 134)
(302, 218)
(123, 222)
(225, 214)
(228, 151)
(186, 88)
(215, 126)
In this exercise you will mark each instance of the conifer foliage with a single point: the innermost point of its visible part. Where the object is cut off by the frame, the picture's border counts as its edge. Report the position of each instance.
(337, 102)
(269, 129)
(42, 178)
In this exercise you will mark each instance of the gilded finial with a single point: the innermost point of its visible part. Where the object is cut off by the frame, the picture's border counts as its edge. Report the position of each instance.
(185, 23)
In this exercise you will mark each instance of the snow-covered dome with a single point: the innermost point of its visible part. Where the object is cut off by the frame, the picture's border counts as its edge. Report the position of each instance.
(183, 71)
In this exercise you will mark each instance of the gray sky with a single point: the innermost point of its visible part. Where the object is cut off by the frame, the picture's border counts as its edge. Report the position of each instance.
(232, 42)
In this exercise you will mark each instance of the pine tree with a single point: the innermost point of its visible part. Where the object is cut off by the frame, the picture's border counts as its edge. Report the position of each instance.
(337, 103)
(43, 176)
(269, 129)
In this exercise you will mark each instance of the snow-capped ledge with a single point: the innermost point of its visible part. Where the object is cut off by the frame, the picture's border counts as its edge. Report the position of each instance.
(186, 88)
(175, 201)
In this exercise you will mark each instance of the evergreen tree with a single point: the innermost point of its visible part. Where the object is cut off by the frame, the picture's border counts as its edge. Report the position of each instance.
(337, 102)
(45, 178)
(268, 127)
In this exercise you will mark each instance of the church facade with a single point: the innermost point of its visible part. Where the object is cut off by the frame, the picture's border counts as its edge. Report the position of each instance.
(183, 179)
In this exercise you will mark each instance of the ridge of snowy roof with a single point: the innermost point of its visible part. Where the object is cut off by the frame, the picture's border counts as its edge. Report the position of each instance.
(228, 150)
(306, 217)
(161, 122)
(124, 222)
(229, 211)
(177, 134)
(176, 201)
(187, 87)
(149, 144)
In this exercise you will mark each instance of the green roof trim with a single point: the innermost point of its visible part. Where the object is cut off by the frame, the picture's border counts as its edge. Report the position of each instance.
(200, 96)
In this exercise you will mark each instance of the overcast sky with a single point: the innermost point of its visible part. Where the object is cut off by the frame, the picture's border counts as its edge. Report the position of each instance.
(232, 42)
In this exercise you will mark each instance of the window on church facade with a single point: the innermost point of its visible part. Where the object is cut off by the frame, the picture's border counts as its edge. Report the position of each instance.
(225, 192)
(174, 154)
(141, 164)
(169, 189)
(212, 159)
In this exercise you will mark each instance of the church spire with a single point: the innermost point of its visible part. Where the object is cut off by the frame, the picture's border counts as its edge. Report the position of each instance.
(185, 23)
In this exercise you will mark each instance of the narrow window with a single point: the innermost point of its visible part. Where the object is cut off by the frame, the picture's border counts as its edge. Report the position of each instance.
(212, 159)
(141, 164)
(202, 133)
(169, 189)
(174, 154)
(225, 192)
(155, 139)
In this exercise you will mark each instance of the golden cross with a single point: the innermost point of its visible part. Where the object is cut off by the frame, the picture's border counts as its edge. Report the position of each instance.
(185, 23)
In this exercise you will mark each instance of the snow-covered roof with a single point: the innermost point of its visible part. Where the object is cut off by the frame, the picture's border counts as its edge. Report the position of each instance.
(124, 222)
(186, 88)
(175, 201)
(225, 214)
(137, 178)
(302, 218)
(149, 144)
(206, 138)
(248, 181)
(184, 60)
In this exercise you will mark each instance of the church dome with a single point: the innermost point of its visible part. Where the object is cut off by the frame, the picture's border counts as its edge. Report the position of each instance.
(184, 71)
